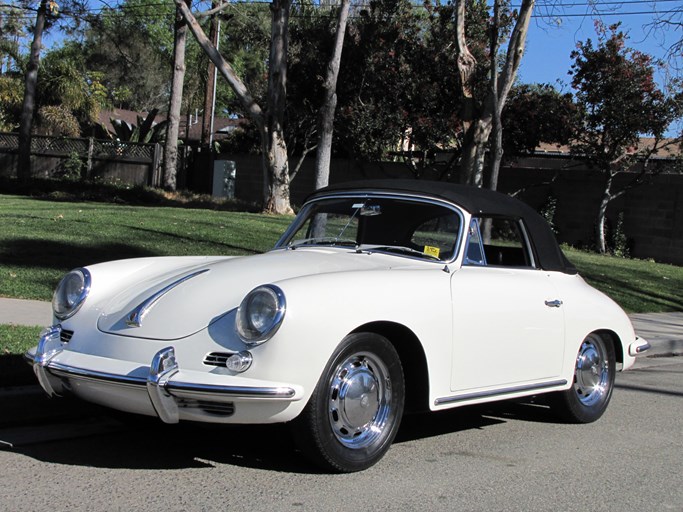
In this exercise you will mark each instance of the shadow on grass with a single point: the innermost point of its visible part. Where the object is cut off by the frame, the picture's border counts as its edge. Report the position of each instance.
(77, 191)
(64, 256)
(623, 291)
(15, 371)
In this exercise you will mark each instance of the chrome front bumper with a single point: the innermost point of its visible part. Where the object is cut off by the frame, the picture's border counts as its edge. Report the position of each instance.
(161, 384)
(638, 347)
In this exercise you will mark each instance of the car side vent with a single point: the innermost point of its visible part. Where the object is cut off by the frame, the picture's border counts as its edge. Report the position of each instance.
(216, 358)
(65, 336)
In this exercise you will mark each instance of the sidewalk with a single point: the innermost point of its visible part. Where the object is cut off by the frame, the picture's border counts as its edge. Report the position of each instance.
(663, 330)
(25, 312)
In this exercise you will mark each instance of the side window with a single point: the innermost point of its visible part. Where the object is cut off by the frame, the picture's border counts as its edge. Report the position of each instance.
(497, 241)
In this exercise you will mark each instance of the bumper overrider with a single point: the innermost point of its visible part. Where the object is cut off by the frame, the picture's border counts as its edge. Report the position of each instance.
(162, 383)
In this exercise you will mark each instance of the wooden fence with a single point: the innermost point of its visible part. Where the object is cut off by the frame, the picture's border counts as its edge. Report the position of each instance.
(109, 160)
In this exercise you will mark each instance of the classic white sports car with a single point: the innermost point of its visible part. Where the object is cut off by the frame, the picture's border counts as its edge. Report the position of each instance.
(381, 297)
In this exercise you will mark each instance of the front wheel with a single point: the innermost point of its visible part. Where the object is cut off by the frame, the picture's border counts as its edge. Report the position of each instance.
(591, 391)
(356, 407)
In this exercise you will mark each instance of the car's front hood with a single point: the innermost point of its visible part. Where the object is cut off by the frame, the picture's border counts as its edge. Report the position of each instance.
(181, 301)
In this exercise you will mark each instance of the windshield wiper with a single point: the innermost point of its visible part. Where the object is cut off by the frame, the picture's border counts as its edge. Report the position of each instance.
(398, 249)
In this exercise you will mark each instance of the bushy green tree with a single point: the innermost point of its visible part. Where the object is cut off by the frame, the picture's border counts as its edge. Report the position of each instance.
(535, 114)
(619, 102)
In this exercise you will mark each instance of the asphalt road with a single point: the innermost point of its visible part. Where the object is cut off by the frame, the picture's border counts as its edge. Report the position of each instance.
(509, 456)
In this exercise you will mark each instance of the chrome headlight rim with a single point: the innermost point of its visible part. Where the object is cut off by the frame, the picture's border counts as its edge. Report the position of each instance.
(62, 307)
(244, 327)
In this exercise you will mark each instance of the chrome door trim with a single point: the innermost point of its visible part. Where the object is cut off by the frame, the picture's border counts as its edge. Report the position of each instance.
(499, 392)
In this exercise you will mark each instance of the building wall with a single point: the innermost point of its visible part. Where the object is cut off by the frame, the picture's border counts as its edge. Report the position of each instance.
(652, 213)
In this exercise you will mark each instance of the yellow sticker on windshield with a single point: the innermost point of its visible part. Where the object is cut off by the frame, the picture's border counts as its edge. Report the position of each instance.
(432, 251)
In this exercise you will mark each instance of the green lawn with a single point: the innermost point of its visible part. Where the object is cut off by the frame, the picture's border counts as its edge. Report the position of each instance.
(40, 240)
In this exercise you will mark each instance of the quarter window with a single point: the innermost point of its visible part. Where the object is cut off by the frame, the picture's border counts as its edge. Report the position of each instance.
(498, 241)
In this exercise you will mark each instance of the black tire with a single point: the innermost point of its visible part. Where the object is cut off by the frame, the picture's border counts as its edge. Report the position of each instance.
(586, 400)
(356, 408)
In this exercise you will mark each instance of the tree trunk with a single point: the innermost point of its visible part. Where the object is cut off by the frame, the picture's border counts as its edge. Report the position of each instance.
(270, 124)
(600, 240)
(474, 151)
(276, 197)
(477, 126)
(327, 110)
(466, 66)
(27, 110)
(497, 127)
(175, 103)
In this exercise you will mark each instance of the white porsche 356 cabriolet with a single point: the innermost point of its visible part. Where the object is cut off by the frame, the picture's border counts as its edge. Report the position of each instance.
(381, 297)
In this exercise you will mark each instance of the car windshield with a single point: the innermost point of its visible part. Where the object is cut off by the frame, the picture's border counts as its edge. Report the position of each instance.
(406, 227)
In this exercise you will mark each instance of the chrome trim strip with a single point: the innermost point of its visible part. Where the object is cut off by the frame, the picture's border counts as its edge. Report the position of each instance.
(506, 391)
(180, 388)
(135, 317)
(66, 371)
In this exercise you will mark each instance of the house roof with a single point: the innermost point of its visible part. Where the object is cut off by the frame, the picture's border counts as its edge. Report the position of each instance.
(670, 148)
(222, 125)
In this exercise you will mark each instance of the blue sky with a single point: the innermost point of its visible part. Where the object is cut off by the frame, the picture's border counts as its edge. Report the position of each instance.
(547, 56)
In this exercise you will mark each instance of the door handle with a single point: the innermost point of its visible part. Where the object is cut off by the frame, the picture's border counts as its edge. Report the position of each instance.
(553, 303)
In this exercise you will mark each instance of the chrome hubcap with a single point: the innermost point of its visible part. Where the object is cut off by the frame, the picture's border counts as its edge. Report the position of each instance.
(360, 396)
(591, 377)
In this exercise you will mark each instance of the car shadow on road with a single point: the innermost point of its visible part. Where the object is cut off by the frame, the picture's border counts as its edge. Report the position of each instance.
(131, 442)
(423, 425)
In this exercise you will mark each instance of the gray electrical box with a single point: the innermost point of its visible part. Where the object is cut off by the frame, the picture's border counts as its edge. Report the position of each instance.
(224, 175)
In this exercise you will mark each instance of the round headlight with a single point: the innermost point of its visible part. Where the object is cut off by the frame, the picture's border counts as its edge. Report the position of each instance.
(260, 314)
(70, 293)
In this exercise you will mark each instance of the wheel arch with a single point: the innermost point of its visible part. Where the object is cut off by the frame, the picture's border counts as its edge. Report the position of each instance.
(413, 360)
(614, 338)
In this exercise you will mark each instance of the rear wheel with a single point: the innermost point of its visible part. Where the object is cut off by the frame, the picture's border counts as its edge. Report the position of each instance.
(355, 411)
(591, 391)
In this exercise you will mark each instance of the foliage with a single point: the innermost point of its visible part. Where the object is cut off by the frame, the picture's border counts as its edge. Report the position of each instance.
(618, 100)
(68, 89)
(11, 97)
(397, 81)
(548, 211)
(131, 46)
(619, 240)
(536, 114)
(58, 120)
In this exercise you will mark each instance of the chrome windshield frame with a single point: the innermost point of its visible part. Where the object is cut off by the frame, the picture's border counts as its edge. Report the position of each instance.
(282, 243)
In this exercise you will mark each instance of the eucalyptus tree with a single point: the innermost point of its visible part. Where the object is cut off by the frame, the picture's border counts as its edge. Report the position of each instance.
(47, 16)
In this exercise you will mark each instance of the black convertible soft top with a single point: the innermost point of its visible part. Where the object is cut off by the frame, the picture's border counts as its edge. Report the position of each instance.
(477, 201)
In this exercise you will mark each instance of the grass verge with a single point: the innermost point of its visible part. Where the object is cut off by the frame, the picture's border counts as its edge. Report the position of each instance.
(15, 340)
